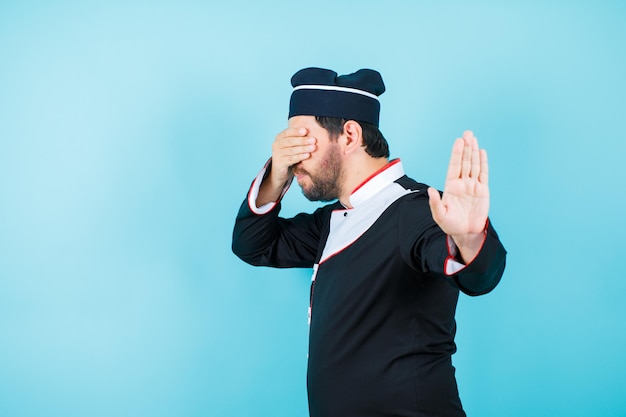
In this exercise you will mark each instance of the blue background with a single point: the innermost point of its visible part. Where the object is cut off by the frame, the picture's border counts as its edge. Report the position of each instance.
(130, 132)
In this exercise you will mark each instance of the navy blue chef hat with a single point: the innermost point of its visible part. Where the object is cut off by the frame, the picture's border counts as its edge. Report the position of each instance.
(320, 92)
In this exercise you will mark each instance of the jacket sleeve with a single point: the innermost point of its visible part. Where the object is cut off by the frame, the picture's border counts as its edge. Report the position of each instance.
(485, 271)
(262, 238)
(429, 250)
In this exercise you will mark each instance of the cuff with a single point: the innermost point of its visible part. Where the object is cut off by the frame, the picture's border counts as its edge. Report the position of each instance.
(452, 264)
(256, 186)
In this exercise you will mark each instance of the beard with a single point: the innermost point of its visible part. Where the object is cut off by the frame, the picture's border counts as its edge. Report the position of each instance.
(325, 182)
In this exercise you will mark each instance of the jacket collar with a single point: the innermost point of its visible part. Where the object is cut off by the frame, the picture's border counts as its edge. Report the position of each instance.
(376, 182)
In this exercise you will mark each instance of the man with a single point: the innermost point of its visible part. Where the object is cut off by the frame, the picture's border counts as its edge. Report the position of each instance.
(389, 256)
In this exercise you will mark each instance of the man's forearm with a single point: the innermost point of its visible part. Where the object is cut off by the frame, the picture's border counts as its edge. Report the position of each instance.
(469, 245)
(270, 191)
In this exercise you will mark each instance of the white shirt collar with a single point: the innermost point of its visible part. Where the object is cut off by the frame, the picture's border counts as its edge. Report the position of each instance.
(376, 182)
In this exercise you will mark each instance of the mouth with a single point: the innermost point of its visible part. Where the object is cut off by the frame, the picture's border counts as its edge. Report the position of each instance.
(300, 178)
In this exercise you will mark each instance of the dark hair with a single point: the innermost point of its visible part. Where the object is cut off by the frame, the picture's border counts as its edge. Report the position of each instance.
(375, 143)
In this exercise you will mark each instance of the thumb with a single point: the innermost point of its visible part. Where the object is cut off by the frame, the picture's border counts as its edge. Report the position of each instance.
(437, 208)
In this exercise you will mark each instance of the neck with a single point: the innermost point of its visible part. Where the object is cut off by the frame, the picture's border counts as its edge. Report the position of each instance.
(355, 174)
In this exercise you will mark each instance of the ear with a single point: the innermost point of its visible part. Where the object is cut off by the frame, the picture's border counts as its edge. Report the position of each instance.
(352, 136)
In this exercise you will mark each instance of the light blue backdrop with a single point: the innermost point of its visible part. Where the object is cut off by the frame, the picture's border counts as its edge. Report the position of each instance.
(130, 131)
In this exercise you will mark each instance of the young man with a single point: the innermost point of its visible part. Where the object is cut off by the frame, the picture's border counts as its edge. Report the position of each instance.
(389, 256)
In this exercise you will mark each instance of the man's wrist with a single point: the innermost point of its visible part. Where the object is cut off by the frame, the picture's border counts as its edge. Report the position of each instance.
(269, 193)
(469, 245)
(263, 196)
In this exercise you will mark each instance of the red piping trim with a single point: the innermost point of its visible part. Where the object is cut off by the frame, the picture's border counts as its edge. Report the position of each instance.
(450, 257)
(339, 250)
(389, 165)
(250, 206)
(336, 253)
(282, 194)
(319, 264)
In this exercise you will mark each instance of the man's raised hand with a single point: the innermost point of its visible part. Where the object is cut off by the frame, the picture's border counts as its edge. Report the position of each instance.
(462, 211)
(290, 146)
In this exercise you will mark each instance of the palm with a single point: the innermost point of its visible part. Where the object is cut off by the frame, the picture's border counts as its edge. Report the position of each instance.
(464, 207)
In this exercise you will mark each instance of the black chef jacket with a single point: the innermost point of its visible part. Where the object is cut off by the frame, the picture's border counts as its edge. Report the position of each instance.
(385, 287)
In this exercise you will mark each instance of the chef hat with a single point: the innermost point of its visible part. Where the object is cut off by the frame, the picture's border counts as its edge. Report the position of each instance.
(320, 92)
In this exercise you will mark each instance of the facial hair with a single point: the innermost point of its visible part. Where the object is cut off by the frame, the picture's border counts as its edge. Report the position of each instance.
(325, 182)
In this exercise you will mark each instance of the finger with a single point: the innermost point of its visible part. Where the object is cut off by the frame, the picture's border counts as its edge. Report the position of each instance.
(298, 150)
(292, 131)
(294, 153)
(484, 168)
(292, 160)
(298, 141)
(466, 161)
(475, 168)
(287, 142)
(437, 208)
(454, 169)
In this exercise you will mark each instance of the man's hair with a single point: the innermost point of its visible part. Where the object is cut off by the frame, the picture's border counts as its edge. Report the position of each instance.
(375, 143)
